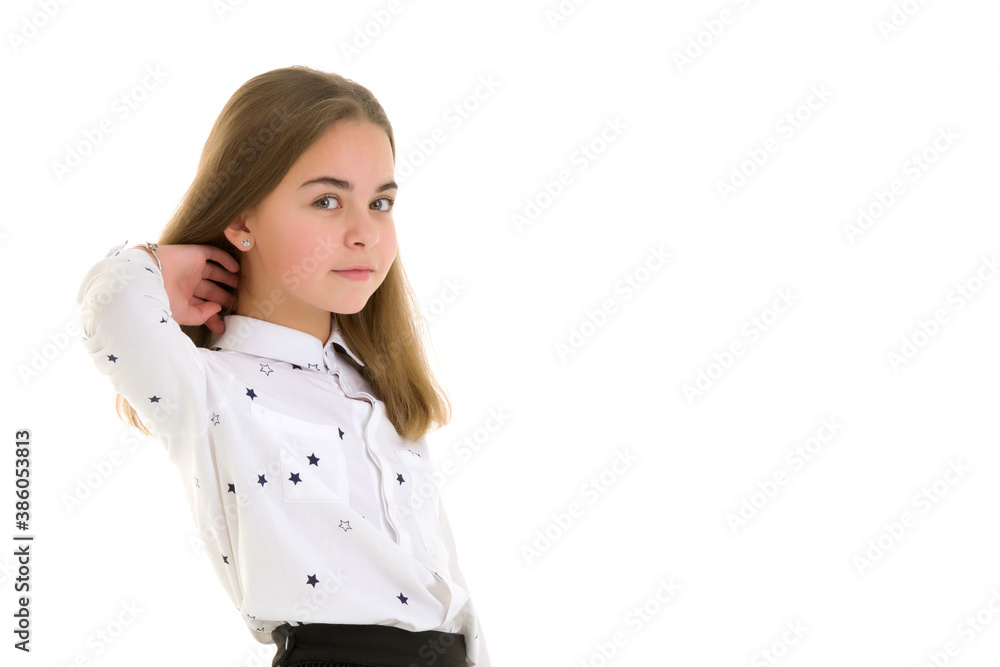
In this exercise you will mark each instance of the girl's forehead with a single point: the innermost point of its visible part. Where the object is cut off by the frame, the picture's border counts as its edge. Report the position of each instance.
(350, 147)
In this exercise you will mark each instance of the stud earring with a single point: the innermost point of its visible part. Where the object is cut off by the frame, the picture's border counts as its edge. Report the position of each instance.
(246, 243)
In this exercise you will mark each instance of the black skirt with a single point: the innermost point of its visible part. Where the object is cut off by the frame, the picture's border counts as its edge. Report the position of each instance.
(333, 645)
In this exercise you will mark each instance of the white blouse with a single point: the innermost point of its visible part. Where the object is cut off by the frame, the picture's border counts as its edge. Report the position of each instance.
(312, 507)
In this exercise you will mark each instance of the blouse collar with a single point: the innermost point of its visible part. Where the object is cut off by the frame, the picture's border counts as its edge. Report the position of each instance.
(275, 341)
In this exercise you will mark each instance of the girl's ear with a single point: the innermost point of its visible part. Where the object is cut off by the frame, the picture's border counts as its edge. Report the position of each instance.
(237, 232)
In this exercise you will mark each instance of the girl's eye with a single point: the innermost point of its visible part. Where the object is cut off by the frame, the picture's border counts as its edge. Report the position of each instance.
(385, 205)
(327, 202)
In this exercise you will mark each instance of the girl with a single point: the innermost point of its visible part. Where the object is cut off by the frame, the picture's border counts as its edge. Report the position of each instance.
(269, 341)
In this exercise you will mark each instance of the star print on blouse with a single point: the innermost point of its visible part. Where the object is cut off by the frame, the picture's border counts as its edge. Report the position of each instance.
(251, 393)
(225, 559)
(399, 478)
(312, 581)
(112, 358)
(215, 419)
(163, 320)
(346, 525)
(402, 599)
(261, 480)
(265, 369)
(314, 367)
(341, 433)
(232, 488)
(295, 479)
(313, 460)
(154, 399)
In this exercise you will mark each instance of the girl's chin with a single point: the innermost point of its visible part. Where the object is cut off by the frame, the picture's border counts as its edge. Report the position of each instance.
(348, 308)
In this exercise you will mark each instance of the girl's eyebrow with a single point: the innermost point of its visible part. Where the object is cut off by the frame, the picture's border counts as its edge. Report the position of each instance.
(346, 185)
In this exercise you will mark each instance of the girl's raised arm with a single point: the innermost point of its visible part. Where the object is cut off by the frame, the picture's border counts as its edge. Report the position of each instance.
(133, 338)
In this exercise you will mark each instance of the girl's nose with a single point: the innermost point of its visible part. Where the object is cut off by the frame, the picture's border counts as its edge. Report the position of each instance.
(361, 228)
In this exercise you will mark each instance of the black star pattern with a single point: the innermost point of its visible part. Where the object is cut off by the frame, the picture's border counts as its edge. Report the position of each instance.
(294, 479)
(341, 433)
(112, 358)
(296, 367)
(150, 270)
(154, 399)
(215, 419)
(346, 525)
(402, 598)
(312, 580)
(232, 488)
(261, 480)
(225, 559)
(313, 460)
(251, 393)
(265, 369)
(163, 320)
(216, 349)
(399, 478)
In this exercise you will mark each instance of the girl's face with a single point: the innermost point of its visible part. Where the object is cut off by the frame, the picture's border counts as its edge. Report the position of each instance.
(332, 212)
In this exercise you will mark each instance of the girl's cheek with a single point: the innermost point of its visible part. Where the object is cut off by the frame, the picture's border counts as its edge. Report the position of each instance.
(314, 258)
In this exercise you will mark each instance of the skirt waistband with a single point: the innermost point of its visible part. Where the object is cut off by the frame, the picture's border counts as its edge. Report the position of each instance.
(371, 645)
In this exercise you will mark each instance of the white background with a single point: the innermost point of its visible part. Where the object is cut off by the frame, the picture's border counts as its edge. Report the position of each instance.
(526, 290)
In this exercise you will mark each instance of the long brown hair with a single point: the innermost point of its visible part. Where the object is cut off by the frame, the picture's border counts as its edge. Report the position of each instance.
(263, 129)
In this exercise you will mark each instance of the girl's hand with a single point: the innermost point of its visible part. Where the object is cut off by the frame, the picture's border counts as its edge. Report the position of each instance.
(190, 275)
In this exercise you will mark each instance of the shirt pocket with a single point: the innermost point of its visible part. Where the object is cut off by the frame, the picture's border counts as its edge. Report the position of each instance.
(421, 503)
(312, 458)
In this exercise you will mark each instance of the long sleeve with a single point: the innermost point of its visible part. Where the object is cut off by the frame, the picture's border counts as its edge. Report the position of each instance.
(456, 575)
(132, 339)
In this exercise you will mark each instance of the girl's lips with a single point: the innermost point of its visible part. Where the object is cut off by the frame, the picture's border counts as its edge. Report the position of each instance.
(355, 274)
